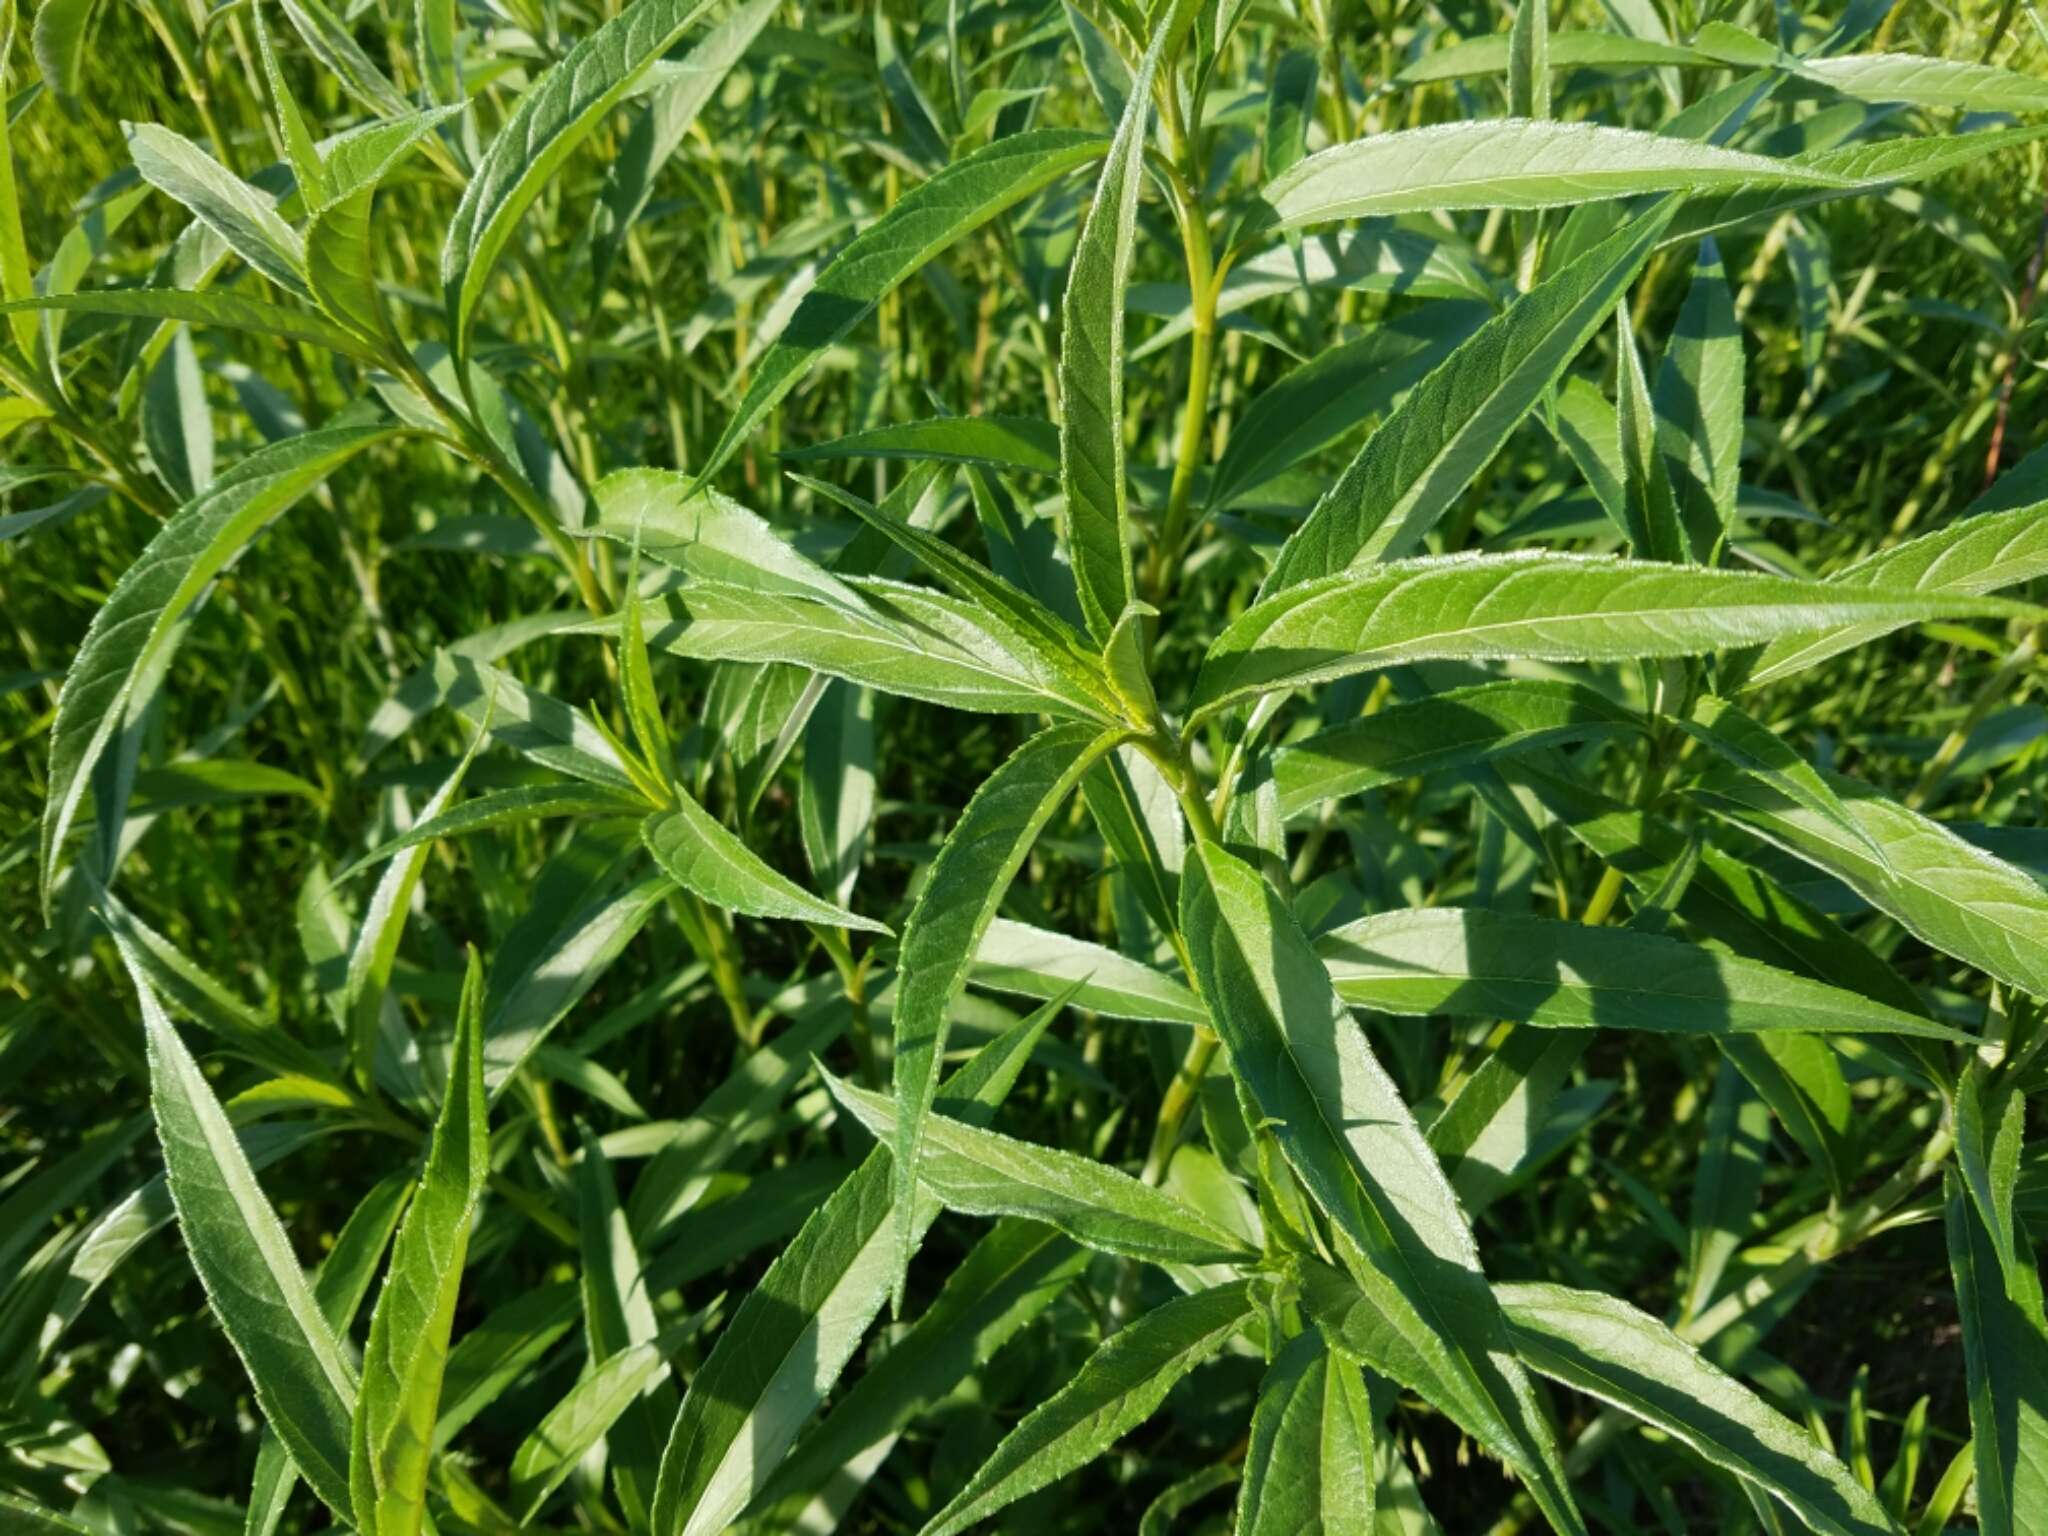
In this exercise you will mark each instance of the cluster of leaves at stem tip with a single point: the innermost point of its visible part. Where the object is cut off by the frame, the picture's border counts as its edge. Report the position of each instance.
(1211, 765)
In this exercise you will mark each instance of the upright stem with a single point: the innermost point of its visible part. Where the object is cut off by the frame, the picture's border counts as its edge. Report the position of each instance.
(1203, 280)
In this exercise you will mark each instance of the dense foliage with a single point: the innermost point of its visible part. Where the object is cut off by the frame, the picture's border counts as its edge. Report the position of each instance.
(1132, 765)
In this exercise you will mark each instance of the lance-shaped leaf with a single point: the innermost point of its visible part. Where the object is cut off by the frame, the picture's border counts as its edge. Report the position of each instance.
(1365, 1316)
(1990, 1120)
(499, 808)
(968, 881)
(1699, 398)
(1118, 1388)
(1924, 82)
(1512, 163)
(698, 852)
(1006, 1280)
(300, 1371)
(836, 805)
(1017, 957)
(392, 1437)
(557, 113)
(1025, 626)
(1539, 606)
(556, 966)
(1332, 393)
(1760, 752)
(228, 311)
(1607, 1349)
(1482, 56)
(793, 1334)
(1342, 1126)
(1095, 516)
(29, 1517)
(900, 639)
(138, 623)
(1950, 893)
(370, 1019)
(1980, 553)
(1473, 963)
(985, 1173)
(661, 128)
(711, 538)
(2005, 1355)
(344, 1280)
(1867, 166)
(1649, 507)
(1446, 730)
(925, 221)
(1453, 422)
(575, 1425)
(1309, 1464)
(242, 216)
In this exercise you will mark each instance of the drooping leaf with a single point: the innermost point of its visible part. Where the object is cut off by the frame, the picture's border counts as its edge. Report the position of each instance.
(702, 856)
(954, 203)
(139, 621)
(556, 114)
(1602, 1346)
(1947, 891)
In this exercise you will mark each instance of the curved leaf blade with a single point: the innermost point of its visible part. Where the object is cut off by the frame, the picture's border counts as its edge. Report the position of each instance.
(301, 1374)
(700, 854)
(954, 203)
(1121, 1385)
(556, 114)
(1607, 1349)
(138, 622)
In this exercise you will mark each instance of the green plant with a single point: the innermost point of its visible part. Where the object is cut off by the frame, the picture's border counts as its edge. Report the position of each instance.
(1425, 762)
